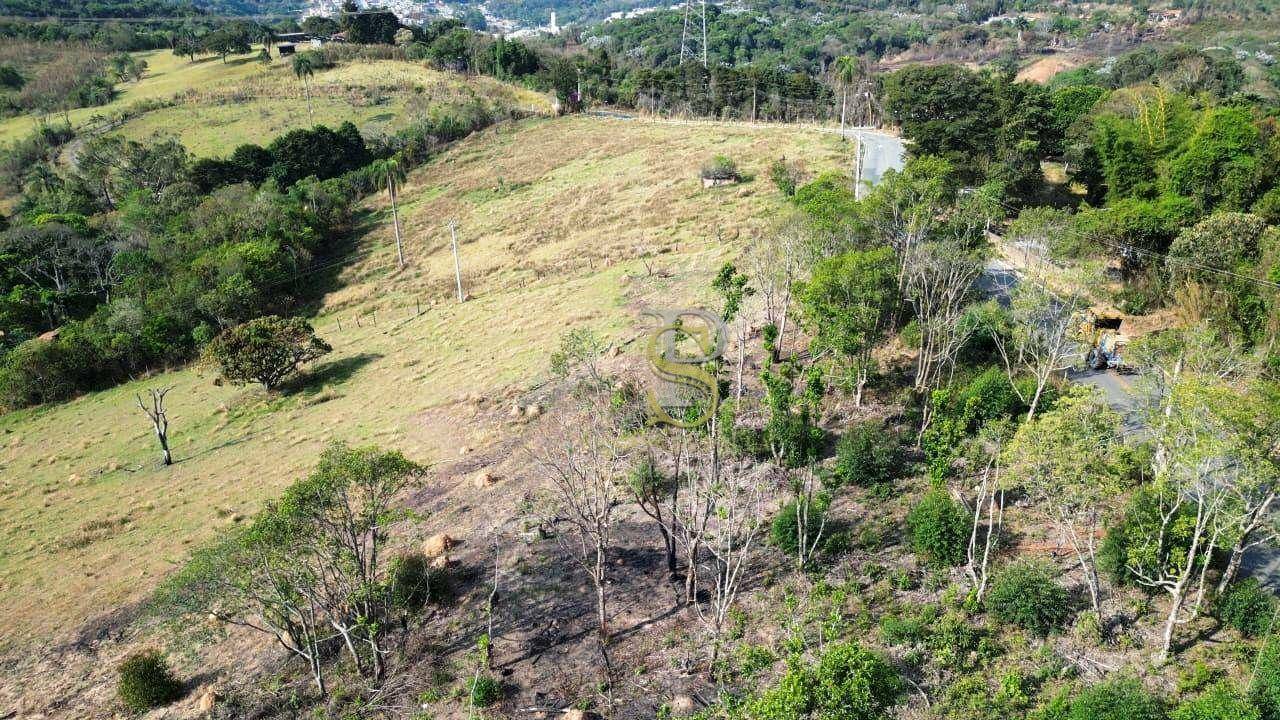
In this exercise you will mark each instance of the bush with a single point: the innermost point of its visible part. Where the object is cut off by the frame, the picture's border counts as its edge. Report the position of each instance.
(939, 528)
(784, 532)
(146, 682)
(484, 690)
(41, 371)
(1025, 594)
(1264, 689)
(866, 455)
(786, 176)
(266, 350)
(1247, 607)
(414, 583)
(1222, 702)
(848, 683)
(1115, 700)
(720, 168)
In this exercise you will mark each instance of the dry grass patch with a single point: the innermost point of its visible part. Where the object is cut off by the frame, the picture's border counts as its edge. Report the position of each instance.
(594, 200)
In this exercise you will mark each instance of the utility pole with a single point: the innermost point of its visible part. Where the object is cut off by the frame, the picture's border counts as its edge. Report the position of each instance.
(395, 213)
(457, 267)
(857, 166)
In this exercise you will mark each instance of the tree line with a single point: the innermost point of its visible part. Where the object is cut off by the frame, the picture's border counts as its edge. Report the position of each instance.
(139, 256)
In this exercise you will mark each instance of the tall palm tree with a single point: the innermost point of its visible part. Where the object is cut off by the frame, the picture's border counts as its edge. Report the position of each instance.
(393, 174)
(305, 67)
(268, 37)
(846, 73)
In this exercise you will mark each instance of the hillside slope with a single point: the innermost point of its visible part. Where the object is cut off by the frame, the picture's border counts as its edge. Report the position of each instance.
(557, 220)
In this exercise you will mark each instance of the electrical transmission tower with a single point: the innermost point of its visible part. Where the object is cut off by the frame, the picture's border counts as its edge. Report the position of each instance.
(690, 44)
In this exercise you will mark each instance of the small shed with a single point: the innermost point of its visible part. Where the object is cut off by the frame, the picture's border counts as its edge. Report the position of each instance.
(286, 49)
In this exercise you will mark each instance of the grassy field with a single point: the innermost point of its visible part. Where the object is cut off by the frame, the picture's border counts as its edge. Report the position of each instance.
(379, 97)
(166, 76)
(220, 105)
(557, 219)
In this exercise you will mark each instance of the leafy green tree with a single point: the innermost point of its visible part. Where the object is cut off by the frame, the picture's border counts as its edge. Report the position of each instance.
(391, 174)
(1222, 241)
(946, 110)
(266, 350)
(230, 39)
(145, 682)
(845, 70)
(1065, 461)
(1219, 166)
(10, 78)
(867, 455)
(1248, 607)
(1264, 683)
(653, 490)
(368, 28)
(848, 304)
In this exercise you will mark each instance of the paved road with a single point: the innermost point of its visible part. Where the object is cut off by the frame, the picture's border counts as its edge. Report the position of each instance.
(883, 152)
(997, 280)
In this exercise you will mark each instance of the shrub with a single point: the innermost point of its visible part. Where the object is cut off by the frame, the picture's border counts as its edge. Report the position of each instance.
(866, 455)
(720, 168)
(1025, 594)
(786, 176)
(784, 532)
(41, 371)
(909, 628)
(484, 690)
(146, 682)
(414, 583)
(1264, 689)
(848, 682)
(1123, 699)
(1221, 702)
(266, 350)
(939, 528)
(1247, 607)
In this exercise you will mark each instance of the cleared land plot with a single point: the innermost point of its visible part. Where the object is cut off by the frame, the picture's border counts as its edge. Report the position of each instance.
(557, 221)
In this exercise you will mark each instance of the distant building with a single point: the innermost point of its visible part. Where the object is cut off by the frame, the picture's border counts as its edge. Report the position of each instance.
(555, 26)
(287, 48)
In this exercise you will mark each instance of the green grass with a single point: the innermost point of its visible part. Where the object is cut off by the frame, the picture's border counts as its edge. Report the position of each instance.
(94, 523)
(166, 76)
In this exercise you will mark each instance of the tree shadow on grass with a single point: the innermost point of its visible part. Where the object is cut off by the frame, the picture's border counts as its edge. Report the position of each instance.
(334, 372)
(343, 252)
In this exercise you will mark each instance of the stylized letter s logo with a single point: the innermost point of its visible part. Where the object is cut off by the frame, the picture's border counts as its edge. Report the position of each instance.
(680, 372)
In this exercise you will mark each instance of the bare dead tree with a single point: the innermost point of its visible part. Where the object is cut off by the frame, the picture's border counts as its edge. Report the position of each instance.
(692, 512)
(983, 535)
(735, 491)
(811, 520)
(939, 278)
(1042, 340)
(586, 468)
(159, 419)
(775, 263)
